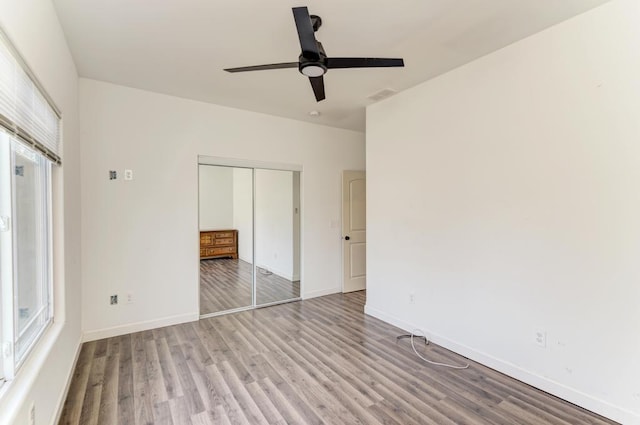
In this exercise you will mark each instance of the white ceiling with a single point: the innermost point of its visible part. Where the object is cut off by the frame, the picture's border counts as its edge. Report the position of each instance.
(179, 47)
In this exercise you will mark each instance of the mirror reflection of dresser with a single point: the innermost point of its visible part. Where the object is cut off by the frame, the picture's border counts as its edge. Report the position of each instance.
(219, 244)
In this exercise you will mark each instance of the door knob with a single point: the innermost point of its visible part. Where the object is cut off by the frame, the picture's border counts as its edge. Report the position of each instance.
(346, 238)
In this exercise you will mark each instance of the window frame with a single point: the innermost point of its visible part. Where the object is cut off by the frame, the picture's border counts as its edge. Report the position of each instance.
(43, 223)
(6, 261)
(10, 362)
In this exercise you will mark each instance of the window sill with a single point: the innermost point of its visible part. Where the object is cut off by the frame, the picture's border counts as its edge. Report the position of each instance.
(14, 392)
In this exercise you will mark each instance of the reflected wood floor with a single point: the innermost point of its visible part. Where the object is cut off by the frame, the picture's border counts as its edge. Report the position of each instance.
(225, 284)
(319, 361)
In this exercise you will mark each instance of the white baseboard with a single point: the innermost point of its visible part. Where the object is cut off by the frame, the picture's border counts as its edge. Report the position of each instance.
(320, 293)
(138, 326)
(63, 396)
(569, 394)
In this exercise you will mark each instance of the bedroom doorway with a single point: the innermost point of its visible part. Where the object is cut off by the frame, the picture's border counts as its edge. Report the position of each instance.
(354, 231)
(249, 233)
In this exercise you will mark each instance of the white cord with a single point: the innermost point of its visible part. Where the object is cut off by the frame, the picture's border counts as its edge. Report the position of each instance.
(264, 271)
(426, 341)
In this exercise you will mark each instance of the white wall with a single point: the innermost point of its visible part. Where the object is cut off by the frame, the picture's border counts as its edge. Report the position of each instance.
(243, 211)
(34, 29)
(505, 196)
(141, 236)
(216, 197)
(274, 222)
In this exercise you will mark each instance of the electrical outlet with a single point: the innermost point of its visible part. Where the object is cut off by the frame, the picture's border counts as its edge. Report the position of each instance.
(114, 299)
(540, 337)
(128, 174)
(129, 298)
(412, 298)
(32, 414)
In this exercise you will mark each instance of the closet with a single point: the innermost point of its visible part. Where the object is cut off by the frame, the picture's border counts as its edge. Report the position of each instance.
(249, 233)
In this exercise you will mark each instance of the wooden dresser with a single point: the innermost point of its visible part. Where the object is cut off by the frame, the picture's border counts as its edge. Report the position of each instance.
(218, 244)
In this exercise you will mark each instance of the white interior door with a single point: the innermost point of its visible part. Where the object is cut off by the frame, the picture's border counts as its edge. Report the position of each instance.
(354, 231)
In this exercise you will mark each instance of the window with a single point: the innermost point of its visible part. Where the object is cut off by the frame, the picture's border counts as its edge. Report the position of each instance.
(26, 276)
(29, 145)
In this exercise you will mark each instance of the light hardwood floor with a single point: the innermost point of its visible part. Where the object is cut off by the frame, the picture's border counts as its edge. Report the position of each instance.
(225, 284)
(320, 361)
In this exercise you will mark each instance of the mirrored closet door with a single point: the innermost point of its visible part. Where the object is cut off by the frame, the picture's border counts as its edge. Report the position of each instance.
(277, 235)
(249, 223)
(226, 238)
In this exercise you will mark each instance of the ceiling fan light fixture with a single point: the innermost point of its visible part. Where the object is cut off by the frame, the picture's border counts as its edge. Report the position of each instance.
(313, 70)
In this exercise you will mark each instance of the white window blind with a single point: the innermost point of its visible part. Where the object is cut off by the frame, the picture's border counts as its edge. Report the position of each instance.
(25, 109)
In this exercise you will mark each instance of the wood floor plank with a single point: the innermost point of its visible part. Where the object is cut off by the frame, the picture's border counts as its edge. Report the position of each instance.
(179, 411)
(173, 388)
(333, 384)
(269, 411)
(310, 391)
(237, 388)
(74, 402)
(109, 396)
(161, 414)
(142, 406)
(227, 401)
(293, 410)
(155, 381)
(530, 413)
(321, 361)
(91, 404)
(219, 417)
(125, 381)
(193, 399)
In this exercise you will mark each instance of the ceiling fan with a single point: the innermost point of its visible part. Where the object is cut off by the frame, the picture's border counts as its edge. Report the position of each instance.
(313, 61)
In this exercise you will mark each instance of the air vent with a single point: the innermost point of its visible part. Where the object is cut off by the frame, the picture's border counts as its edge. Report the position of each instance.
(382, 94)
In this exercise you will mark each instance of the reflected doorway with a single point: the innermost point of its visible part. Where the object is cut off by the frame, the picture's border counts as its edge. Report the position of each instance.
(249, 220)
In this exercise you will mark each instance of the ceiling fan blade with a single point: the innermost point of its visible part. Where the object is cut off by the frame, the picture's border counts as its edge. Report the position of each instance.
(333, 63)
(317, 83)
(264, 67)
(305, 33)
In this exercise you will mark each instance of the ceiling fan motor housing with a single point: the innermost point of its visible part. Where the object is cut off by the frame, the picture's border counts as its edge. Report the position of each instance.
(312, 67)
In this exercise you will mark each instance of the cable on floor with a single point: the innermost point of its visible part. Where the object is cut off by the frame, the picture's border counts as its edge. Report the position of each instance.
(264, 271)
(413, 335)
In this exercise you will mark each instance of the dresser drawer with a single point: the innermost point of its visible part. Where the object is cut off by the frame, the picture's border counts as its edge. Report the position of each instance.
(224, 235)
(206, 239)
(221, 250)
(223, 242)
